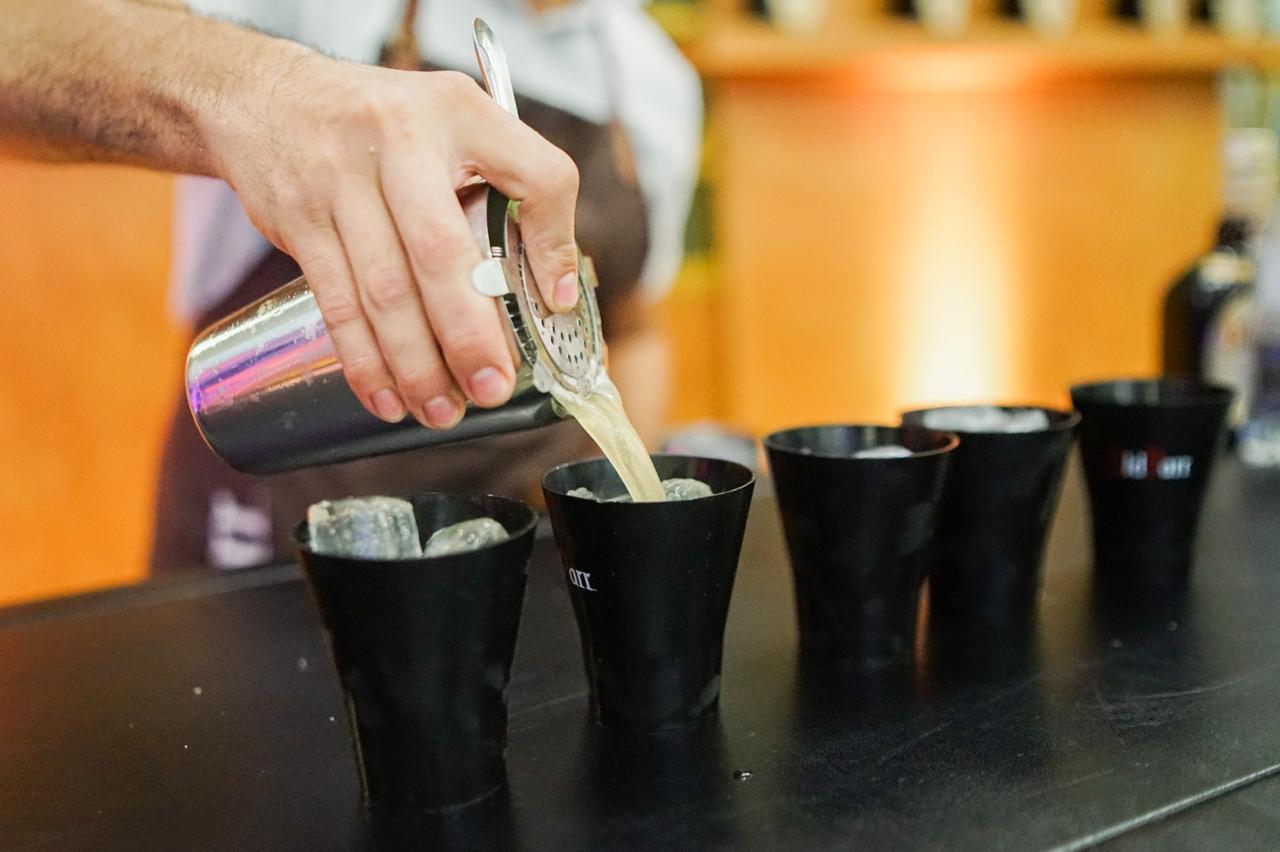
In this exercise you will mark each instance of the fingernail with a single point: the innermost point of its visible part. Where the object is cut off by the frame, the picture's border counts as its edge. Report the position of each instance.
(388, 405)
(441, 412)
(489, 386)
(566, 293)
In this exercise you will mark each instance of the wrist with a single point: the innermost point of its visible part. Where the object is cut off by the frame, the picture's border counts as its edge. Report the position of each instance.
(241, 119)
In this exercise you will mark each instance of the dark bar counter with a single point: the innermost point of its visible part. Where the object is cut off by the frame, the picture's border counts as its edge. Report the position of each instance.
(203, 713)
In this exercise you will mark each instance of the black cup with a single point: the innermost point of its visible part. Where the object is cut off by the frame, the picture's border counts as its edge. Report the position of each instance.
(650, 584)
(423, 648)
(1148, 447)
(1001, 491)
(857, 531)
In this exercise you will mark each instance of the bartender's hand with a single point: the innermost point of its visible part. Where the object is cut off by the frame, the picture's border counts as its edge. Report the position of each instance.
(352, 170)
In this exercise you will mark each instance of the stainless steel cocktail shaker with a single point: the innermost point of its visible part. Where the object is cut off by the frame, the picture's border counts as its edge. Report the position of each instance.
(268, 394)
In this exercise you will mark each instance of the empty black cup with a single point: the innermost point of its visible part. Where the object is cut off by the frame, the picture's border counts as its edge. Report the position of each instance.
(857, 531)
(1001, 491)
(650, 584)
(423, 648)
(1148, 447)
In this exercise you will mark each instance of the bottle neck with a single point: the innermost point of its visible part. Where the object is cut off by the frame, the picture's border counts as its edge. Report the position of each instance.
(1234, 233)
(1249, 176)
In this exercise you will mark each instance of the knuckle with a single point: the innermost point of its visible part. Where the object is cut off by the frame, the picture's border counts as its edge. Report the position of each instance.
(394, 120)
(292, 199)
(438, 243)
(465, 344)
(305, 202)
(456, 87)
(420, 382)
(364, 371)
(382, 115)
(388, 290)
(395, 112)
(561, 173)
(367, 108)
(319, 165)
(563, 257)
(338, 307)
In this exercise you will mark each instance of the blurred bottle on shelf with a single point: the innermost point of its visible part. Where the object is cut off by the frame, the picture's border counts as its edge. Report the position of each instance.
(802, 17)
(1208, 310)
(944, 18)
(1045, 18)
(1260, 436)
(1237, 19)
(1165, 18)
(1050, 18)
(1270, 16)
(940, 18)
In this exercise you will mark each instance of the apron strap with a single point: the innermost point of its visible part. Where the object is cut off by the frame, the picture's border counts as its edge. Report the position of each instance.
(401, 50)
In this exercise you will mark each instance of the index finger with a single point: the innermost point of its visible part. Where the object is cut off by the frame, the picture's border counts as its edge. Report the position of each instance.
(525, 167)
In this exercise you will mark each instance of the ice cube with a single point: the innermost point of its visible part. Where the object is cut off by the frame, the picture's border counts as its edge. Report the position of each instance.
(986, 418)
(1026, 420)
(884, 451)
(588, 494)
(465, 536)
(676, 489)
(364, 528)
(685, 489)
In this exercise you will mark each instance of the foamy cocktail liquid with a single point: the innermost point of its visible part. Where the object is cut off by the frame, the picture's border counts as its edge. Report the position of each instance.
(601, 414)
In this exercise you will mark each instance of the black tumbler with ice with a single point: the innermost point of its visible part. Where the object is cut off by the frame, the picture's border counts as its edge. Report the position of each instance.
(1148, 447)
(423, 648)
(857, 528)
(650, 584)
(1002, 489)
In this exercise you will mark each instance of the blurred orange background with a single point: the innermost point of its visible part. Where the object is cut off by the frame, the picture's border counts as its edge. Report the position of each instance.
(91, 363)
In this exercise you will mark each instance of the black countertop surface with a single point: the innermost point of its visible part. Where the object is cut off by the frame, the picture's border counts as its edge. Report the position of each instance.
(204, 714)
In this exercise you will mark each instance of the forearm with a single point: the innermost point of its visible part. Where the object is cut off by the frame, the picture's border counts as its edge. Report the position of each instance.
(130, 81)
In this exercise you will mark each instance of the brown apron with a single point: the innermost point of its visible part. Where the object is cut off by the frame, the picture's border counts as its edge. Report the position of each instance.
(209, 514)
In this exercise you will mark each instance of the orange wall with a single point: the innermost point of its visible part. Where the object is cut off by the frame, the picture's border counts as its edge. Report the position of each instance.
(89, 365)
(880, 246)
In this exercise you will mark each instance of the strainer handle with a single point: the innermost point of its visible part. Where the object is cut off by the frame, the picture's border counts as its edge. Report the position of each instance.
(493, 67)
(496, 77)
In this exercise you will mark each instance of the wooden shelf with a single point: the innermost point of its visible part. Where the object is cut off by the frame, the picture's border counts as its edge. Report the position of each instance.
(739, 47)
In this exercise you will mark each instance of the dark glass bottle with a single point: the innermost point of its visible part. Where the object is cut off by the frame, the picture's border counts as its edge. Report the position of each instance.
(1195, 305)
(1208, 310)
(1207, 318)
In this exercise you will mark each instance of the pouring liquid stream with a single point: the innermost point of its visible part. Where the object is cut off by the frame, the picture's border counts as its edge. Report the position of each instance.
(601, 414)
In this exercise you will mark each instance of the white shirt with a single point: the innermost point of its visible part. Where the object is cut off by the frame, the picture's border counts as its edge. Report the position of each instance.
(554, 57)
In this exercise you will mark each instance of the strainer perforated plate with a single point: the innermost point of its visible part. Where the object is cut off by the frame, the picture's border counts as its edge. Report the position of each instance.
(565, 348)
(570, 344)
